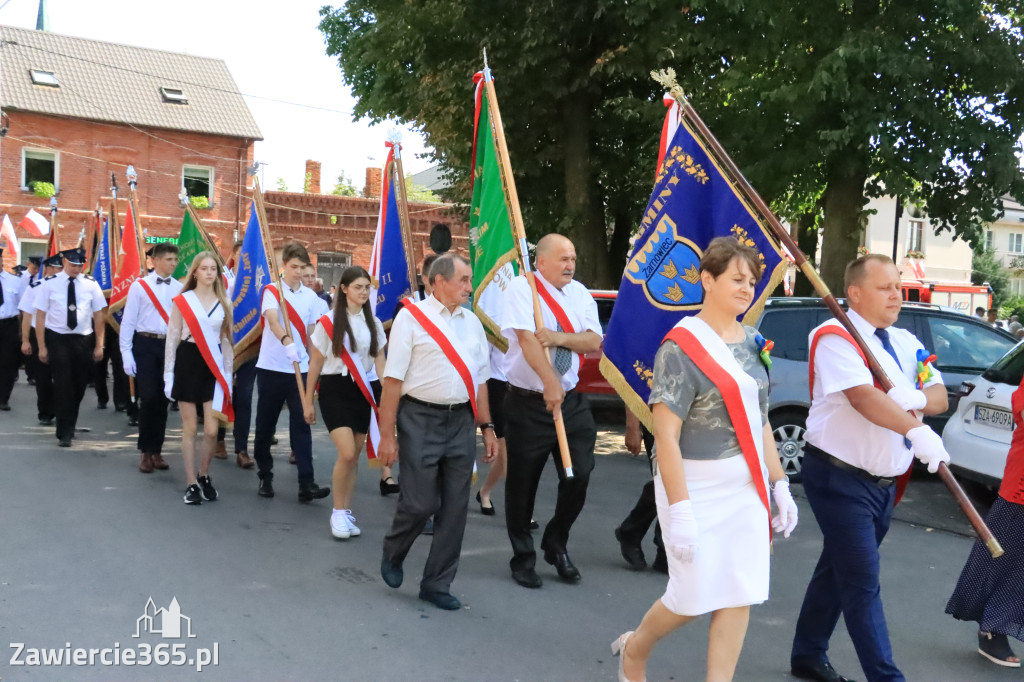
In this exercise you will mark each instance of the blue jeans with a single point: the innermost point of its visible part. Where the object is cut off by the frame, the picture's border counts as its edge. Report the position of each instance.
(276, 389)
(854, 516)
(241, 400)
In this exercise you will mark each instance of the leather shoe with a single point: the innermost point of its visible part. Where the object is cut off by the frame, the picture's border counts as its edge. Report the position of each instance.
(243, 460)
(527, 577)
(388, 488)
(64, 443)
(563, 564)
(660, 563)
(291, 457)
(4, 407)
(631, 552)
(311, 491)
(159, 463)
(441, 600)
(146, 464)
(266, 487)
(222, 451)
(486, 511)
(133, 420)
(391, 573)
(819, 671)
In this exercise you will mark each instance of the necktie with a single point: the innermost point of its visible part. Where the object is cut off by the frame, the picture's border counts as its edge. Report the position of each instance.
(163, 280)
(883, 336)
(72, 305)
(2, 291)
(563, 358)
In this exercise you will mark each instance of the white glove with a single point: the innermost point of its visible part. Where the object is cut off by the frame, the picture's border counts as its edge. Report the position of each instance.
(908, 398)
(683, 537)
(168, 385)
(786, 519)
(291, 352)
(128, 360)
(928, 447)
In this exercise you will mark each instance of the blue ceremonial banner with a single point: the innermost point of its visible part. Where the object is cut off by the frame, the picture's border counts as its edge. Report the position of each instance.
(389, 266)
(253, 274)
(103, 270)
(693, 202)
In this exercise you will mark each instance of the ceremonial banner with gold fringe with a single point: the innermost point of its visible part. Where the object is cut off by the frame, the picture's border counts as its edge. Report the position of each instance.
(693, 202)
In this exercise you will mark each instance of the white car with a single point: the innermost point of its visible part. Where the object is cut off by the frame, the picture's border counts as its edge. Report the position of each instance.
(978, 434)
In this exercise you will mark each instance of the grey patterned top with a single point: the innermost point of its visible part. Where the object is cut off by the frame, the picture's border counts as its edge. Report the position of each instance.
(707, 431)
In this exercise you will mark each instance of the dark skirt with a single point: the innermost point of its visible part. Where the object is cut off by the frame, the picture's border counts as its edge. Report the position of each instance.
(193, 380)
(342, 403)
(991, 591)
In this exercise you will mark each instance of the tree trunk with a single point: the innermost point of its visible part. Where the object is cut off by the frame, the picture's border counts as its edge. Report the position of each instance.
(806, 236)
(585, 221)
(623, 222)
(844, 202)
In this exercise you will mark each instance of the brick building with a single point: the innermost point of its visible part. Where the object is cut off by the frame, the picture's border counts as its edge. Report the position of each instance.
(78, 110)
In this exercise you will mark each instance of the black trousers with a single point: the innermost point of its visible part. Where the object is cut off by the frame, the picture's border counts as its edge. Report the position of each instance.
(112, 355)
(645, 512)
(530, 440)
(44, 380)
(277, 389)
(71, 364)
(10, 355)
(149, 392)
(241, 400)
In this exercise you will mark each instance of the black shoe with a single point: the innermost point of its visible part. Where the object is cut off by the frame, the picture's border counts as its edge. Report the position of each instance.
(193, 495)
(820, 671)
(206, 488)
(486, 511)
(388, 488)
(441, 600)
(660, 561)
(631, 552)
(101, 406)
(311, 491)
(46, 421)
(563, 564)
(174, 406)
(391, 573)
(65, 442)
(527, 577)
(534, 525)
(133, 420)
(118, 407)
(266, 487)
(996, 648)
(273, 441)
(428, 528)
(4, 407)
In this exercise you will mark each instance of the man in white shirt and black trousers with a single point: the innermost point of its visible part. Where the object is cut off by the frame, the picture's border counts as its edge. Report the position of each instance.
(859, 441)
(435, 392)
(536, 385)
(69, 307)
(285, 342)
(11, 287)
(142, 339)
(40, 373)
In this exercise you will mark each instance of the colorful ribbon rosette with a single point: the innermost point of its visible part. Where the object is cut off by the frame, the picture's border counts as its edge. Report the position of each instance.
(764, 347)
(924, 371)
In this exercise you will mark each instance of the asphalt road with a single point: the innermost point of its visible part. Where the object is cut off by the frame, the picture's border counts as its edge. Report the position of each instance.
(86, 540)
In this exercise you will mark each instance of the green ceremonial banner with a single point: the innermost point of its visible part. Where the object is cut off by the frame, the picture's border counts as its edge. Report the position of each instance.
(493, 250)
(191, 242)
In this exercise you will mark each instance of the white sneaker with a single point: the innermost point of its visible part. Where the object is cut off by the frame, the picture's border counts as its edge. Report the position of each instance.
(353, 529)
(339, 525)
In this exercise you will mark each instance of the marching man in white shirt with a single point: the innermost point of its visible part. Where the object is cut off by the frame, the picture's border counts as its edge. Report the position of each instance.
(859, 441)
(435, 391)
(11, 287)
(142, 339)
(30, 347)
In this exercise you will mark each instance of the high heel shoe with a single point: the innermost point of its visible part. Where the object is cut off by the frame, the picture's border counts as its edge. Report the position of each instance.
(619, 649)
(486, 511)
(388, 488)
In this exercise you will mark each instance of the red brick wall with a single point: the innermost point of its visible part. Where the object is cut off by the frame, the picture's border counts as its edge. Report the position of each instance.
(90, 150)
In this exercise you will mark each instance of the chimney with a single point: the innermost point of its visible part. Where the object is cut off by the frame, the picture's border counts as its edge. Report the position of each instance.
(312, 179)
(373, 180)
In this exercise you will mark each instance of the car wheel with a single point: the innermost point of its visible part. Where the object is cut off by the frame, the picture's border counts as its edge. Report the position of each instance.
(789, 427)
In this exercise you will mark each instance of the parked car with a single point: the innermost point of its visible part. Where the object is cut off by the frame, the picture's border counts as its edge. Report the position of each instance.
(592, 382)
(965, 347)
(978, 435)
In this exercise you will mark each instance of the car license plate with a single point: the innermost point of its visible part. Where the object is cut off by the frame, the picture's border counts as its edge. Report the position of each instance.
(1000, 419)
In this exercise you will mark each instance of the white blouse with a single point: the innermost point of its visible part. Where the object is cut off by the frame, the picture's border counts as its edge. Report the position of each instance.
(178, 332)
(357, 322)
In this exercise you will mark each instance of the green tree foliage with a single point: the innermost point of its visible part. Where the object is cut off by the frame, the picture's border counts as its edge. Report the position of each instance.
(345, 187)
(823, 105)
(282, 186)
(987, 268)
(414, 192)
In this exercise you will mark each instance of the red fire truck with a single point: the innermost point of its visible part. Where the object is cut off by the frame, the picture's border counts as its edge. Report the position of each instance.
(960, 296)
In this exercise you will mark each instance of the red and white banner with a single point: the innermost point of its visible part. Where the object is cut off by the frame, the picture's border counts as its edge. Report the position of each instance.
(668, 128)
(35, 223)
(11, 239)
(358, 374)
(208, 341)
(129, 263)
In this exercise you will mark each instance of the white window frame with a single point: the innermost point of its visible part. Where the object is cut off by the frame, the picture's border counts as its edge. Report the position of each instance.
(1016, 242)
(208, 169)
(915, 236)
(990, 240)
(22, 252)
(56, 166)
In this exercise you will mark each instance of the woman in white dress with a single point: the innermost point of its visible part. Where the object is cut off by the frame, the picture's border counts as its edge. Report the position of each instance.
(349, 330)
(715, 464)
(189, 377)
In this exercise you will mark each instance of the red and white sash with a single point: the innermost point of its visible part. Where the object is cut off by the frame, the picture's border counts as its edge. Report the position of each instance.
(739, 390)
(293, 315)
(557, 309)
(208, 341)
(442, 333)
(156, 301)
(358, 374)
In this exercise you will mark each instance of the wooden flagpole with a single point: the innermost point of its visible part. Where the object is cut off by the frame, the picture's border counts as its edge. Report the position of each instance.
(206, 235)
(402, 202)
(667, 79)
(268, 246)
(519, 232)
(54, 244)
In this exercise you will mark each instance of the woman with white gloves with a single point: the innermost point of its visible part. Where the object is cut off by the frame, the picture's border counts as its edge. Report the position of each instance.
(716, 467)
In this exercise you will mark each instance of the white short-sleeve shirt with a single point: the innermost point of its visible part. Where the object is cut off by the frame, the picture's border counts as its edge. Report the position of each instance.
(357, 323)
(833, 425)
(53, 298)
(517, 313)
(13, 287)
(272, 356)
(27, 304)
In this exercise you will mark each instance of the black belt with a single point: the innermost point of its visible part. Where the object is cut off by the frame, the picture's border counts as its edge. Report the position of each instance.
(151, 335)
(880, 481)
(437, 406)
(527, 393)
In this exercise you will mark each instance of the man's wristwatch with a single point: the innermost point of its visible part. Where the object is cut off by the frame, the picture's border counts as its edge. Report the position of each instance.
(771, 484)
(486, 425)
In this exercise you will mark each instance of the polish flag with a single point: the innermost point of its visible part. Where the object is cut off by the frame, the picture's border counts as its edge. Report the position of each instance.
(35, 223)
(7, 232)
